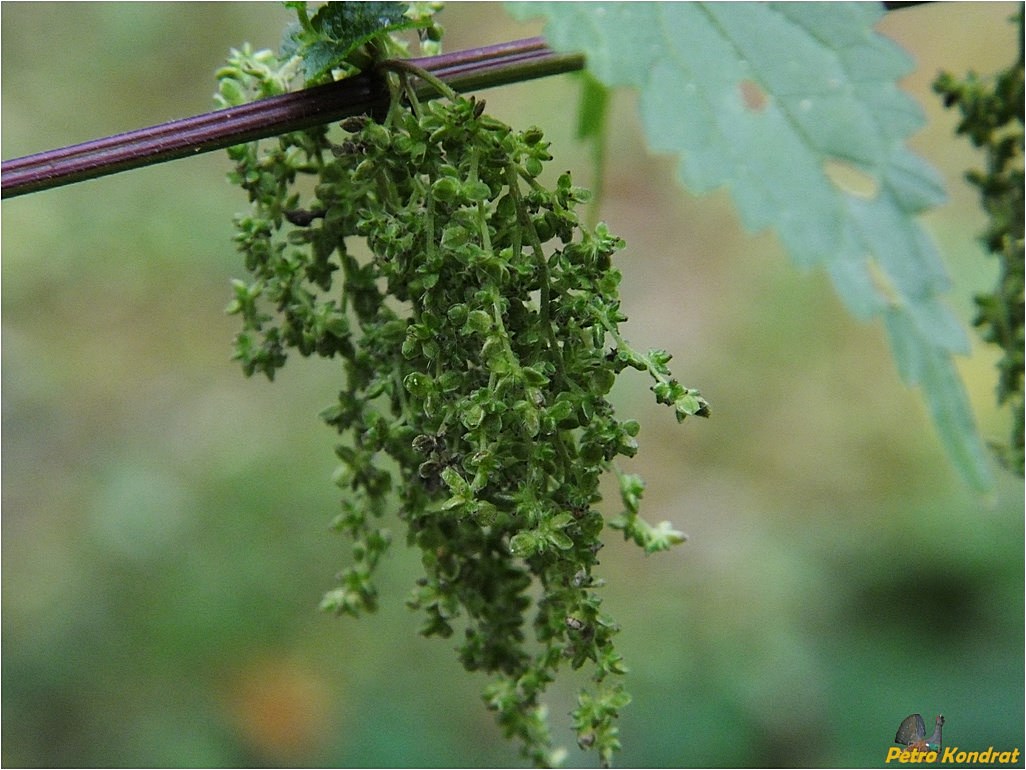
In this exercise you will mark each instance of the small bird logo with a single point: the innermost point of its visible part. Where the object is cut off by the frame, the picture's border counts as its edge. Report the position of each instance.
(912, 733)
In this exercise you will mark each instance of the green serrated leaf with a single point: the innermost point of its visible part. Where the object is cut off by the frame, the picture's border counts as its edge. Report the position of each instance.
(321, 56)
(923, 364)
(351, 23)
(338, 29)
(785, 104)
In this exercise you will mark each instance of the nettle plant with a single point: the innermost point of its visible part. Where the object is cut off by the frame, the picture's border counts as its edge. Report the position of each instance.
(477, 319)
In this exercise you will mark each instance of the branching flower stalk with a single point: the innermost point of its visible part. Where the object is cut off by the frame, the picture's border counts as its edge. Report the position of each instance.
(478, 341)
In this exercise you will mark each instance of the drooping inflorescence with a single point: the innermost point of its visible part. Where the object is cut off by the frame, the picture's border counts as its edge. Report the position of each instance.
(476, 322)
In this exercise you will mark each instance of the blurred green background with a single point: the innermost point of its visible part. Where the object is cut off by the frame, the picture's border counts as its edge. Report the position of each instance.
(165, 538)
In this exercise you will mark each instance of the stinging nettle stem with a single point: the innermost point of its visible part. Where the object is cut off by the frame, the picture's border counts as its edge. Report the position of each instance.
(473, 69)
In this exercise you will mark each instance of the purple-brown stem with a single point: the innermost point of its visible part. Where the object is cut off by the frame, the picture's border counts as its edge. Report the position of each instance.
(472, 69)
